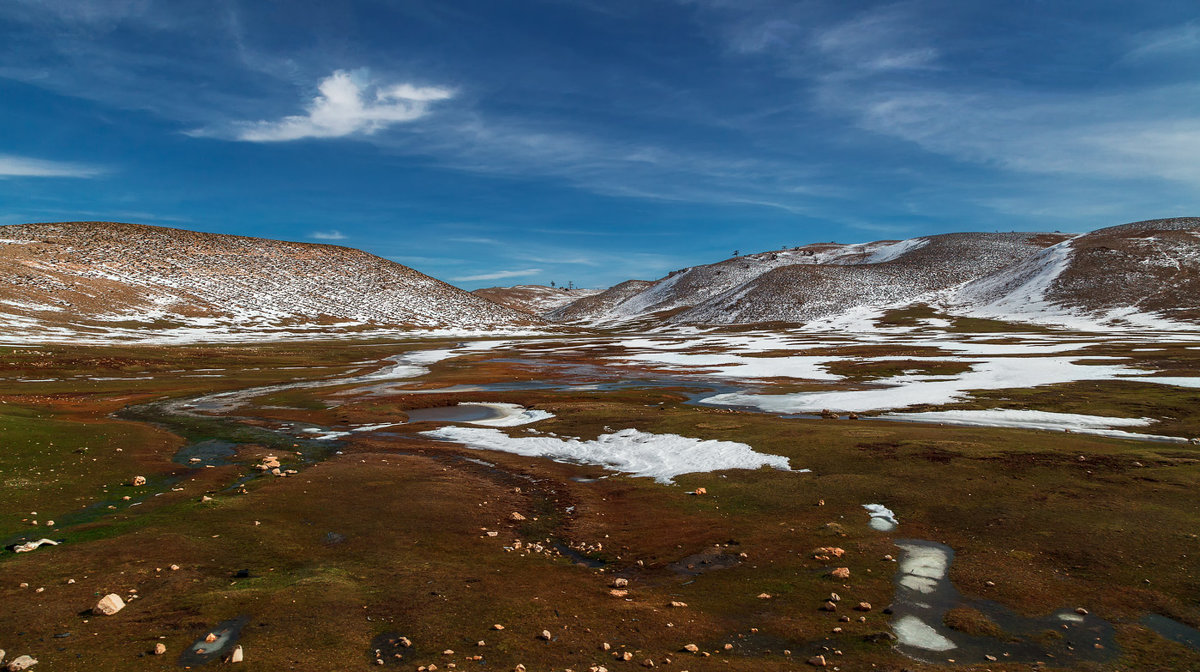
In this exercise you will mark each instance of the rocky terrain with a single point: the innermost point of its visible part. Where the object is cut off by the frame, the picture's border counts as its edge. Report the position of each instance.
(533, 299)
(1145, 274)
(101, 278)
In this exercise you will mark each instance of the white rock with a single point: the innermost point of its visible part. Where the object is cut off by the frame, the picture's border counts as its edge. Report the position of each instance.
(109, 605)
(22, 663)
(32, 545)
(236, 657)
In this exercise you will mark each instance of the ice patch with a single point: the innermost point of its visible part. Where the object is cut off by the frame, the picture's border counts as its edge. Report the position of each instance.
(922, 567)
(511, 415)
(882, 518)
(641, 454)
(912, 631)
(1005, 417)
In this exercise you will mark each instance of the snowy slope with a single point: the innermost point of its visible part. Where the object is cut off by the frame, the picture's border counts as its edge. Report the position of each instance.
(89, 276)
(812, 282)
(533, 299)
(1144, 273)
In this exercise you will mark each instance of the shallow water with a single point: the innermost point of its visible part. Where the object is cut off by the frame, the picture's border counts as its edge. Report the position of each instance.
(1173, 630)
(201, 652)
(924, 594)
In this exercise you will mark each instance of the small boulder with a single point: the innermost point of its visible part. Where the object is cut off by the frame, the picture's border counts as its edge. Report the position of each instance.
(22, 663)
(160, 649)
(863, 606)
(691, 648)
(676, 604)
(615, 592)
(764, 596)
(620, 583)
(109, 605)
(236, 656)
(546, 636)
(516, 517)
(817, 661)
(829, 606)
(497, 627)
(138, 480)
(840, 573)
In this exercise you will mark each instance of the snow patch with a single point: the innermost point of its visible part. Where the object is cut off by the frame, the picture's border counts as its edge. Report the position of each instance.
(640, 454)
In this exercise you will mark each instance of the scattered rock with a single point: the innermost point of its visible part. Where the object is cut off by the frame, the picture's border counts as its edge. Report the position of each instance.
(699, 491)
(211, 637)
(829, 606)
(676, 604)
(174, 568)
(405, 642)
(497, 627)
(109, 605)
(1081, 611)
(764, 596)
(138, 480)
(160, 649)
(21, 663)
(620, 583)
(692, 648)
(834, 597)
(516, 517)
(618, 593)
(817, 661)
(841, 573)
(237, 655)
(546, 635)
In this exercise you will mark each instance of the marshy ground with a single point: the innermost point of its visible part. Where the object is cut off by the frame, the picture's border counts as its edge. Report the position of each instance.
(384, 533)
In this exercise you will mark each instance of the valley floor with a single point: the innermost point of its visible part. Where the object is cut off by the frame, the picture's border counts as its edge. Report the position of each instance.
(974, 498)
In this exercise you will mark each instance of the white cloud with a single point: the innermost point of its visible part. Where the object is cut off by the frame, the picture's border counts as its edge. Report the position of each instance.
(346, 106)
(22, 166)
(1143, 134)
(332, 234)
(499, 275)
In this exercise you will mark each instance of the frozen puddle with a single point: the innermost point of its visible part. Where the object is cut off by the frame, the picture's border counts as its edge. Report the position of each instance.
(1004, 417)
(483, 413)
(658, 456)
(924, 595)
(882, 518)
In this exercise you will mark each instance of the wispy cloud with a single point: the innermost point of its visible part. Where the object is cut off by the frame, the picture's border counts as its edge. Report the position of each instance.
(332, 234)
(499, 275)
(1170, 42)
(23, 166)
(347, 104)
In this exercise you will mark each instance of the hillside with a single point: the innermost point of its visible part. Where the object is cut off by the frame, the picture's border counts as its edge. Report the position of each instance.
(813, 282)
(533, 299)
(1139, 273)
(105, 278)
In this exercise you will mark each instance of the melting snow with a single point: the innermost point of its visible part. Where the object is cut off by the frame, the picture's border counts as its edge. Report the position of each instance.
(882, 518)
(510, 415)
(641, 454)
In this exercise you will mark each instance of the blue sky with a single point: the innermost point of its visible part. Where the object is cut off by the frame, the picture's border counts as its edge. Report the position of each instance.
(517, 141)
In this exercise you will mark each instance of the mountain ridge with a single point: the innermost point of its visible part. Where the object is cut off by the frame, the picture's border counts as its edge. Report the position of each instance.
(91, 276)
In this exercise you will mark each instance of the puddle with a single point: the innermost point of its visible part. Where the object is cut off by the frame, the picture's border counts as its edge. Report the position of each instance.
(924, 595)
(1173, 630)
(459, 413)
(200, 454)
(704, 561)
(202, 652)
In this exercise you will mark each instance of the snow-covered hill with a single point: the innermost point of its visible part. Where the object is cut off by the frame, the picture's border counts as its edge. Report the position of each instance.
(533, 299)
(1144, 273)
(813, 282)
(100, 278)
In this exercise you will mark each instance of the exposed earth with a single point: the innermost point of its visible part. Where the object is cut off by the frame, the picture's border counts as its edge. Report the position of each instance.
(940, 493)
